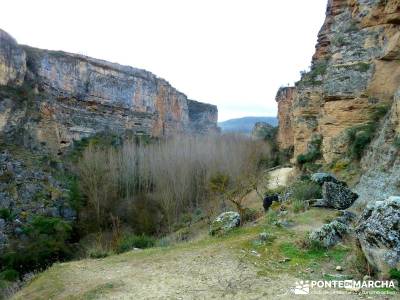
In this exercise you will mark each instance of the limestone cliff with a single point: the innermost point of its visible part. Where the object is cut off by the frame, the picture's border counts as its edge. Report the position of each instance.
(202, 117)
(285, 97)
(355, 71)
(76, 96)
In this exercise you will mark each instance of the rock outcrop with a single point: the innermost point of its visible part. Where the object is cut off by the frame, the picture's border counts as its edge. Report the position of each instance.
(333, 232)
(337, 195)
(284, 97)
(77, 96)
(203, 117)
(379, 235)
(263, 131)
(12, 61)
(224, 223)
(354, 70)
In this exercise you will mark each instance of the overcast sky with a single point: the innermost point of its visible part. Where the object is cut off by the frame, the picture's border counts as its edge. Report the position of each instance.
(232, 53)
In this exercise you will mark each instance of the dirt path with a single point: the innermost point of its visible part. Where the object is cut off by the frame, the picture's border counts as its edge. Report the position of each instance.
(279, 177)
(191, 272)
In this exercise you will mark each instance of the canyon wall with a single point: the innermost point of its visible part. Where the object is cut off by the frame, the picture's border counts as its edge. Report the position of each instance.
(355, 71)
(285, 97)
(77, 96)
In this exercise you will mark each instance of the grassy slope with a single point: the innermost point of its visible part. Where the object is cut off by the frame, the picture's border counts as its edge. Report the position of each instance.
(210, 267)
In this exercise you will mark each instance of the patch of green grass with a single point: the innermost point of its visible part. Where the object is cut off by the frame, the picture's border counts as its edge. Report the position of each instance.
(298, 206)
(129, 242)
(305, 256)
(394, 274)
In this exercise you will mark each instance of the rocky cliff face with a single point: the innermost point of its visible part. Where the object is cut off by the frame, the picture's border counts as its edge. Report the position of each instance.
(285, 97)
(203, 117)
(80, 96)
(355, 72)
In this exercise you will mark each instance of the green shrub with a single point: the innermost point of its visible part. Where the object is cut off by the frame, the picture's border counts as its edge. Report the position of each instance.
(98, 252)
(74, 194)
(313, 153)
(6, 214)
(306, 190)
(46, 242)
(338, 40)
(198, 215)
(9, 275)
(129, 242)
(394, 274)
(298, 205)
(271, 217)
(250, 214)
(359, 138)
(315, 245)
(379, 111)
(319, 68)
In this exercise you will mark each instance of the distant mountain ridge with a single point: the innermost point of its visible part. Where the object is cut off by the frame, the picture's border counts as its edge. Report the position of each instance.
(245, 124)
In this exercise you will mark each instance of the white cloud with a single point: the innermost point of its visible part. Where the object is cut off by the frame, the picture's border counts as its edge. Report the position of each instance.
(232, 53)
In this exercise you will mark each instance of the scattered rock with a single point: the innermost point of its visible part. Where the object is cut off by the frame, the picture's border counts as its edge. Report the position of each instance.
(284, 223)
(329, 234)
(336, 195)
(224, 223)
(321, 178)
(379, 234)
(255, 253)
(367, 277)
(346, 217)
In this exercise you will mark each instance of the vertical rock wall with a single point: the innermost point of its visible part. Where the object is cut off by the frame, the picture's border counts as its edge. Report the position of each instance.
(75, 96)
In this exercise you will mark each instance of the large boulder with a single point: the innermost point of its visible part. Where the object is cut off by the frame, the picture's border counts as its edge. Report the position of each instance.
(321, 178)
(337, 195)
(224, 223)
(332, 233)
(378, 231)
(12, 61)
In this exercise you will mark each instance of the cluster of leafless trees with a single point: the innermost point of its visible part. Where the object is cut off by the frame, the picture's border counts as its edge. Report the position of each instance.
(167, 177)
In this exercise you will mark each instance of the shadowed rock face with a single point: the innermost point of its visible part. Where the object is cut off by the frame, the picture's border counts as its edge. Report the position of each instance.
(285, 97)
(355, 67)
(378, 233)
(203, 117)
(81, 96)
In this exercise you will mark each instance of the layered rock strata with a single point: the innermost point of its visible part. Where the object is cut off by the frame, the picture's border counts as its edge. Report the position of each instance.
(77, 96)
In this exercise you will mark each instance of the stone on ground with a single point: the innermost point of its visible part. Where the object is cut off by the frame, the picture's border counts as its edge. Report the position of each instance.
(224, 223)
